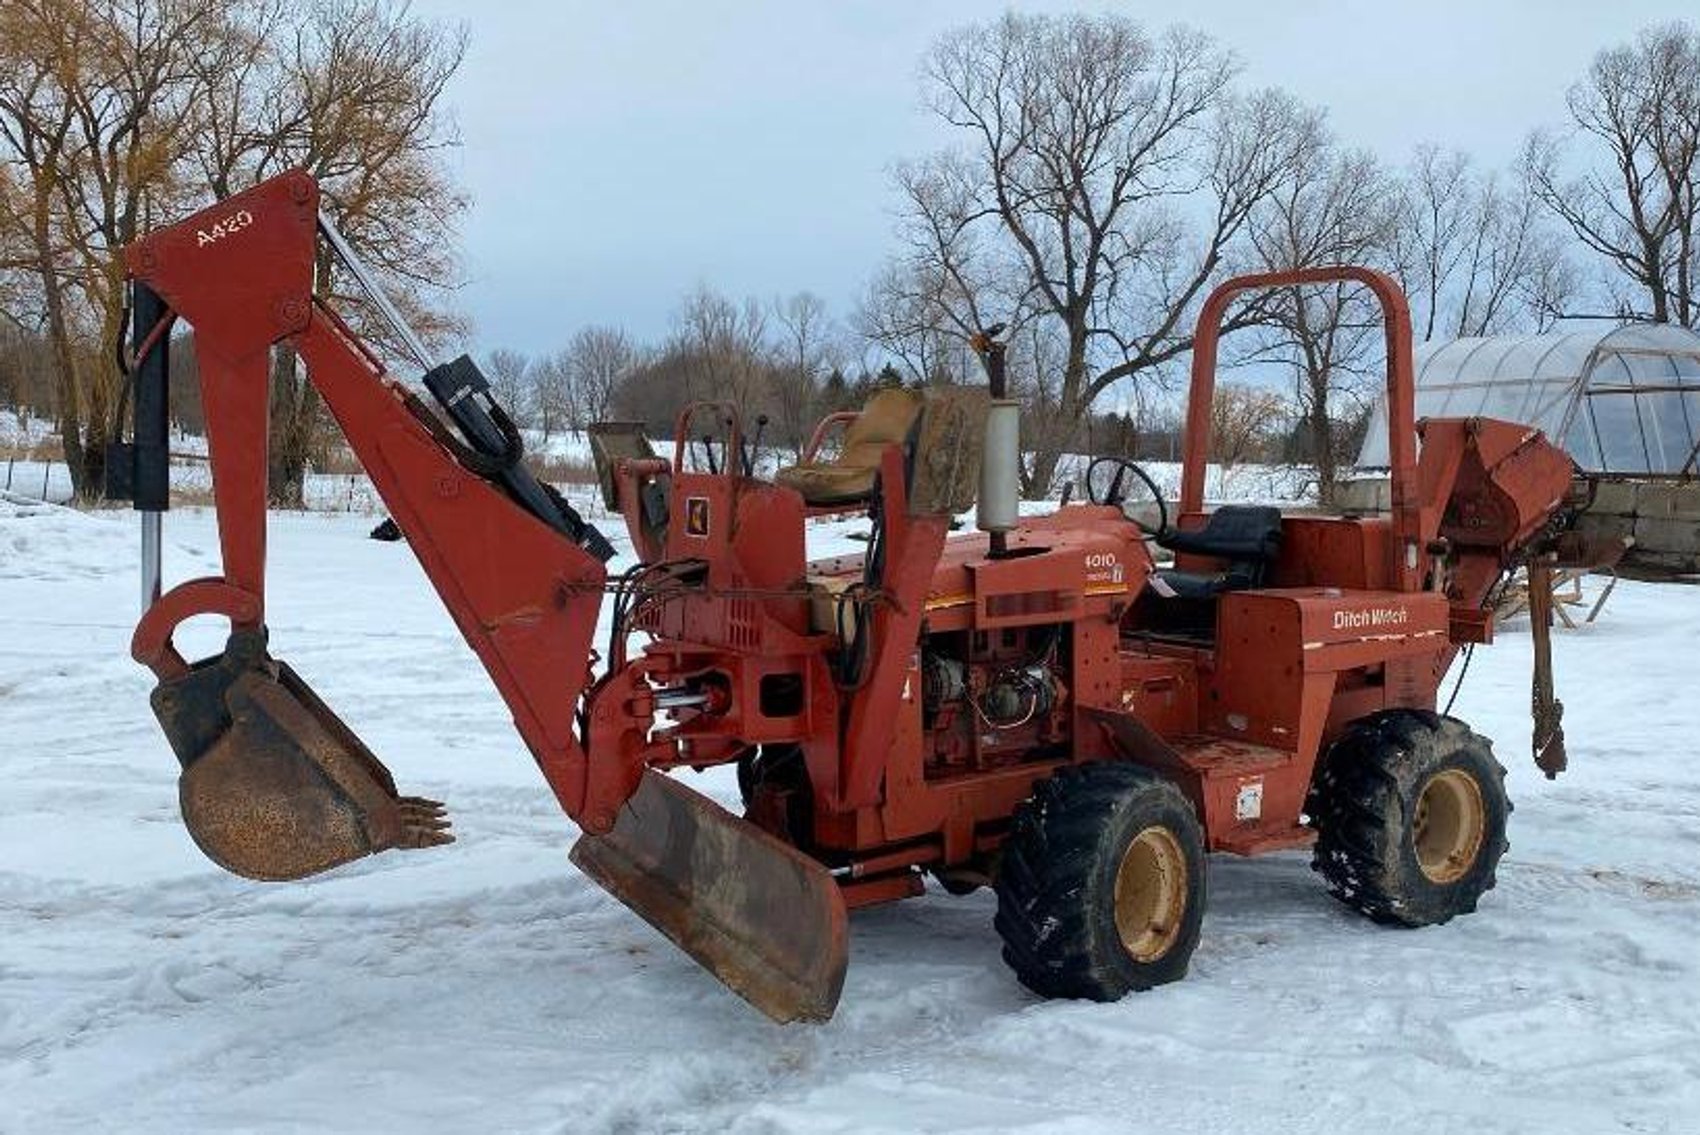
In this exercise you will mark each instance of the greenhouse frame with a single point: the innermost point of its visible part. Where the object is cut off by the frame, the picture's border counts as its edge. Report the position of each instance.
(1624, 402)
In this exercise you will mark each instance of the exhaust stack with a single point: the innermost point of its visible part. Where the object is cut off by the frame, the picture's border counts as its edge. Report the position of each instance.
(1000, 468)
(999, 506)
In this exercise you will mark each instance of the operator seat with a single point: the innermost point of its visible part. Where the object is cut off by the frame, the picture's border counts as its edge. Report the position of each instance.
(888, 419)
(1247, 537)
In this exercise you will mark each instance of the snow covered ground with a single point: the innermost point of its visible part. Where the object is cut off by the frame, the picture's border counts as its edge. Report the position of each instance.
(488, 986)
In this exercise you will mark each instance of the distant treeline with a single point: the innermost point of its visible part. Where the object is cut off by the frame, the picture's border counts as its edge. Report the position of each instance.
(1101, 178)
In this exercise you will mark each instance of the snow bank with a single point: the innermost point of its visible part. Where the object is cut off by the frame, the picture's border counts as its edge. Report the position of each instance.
(489, 987)
(44, 542)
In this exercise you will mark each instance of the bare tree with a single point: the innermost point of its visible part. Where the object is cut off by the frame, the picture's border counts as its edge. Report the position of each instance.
(598, 360)
(509, 373)
(95, 106)
(728, 345)
(718, 350)
(553, 407)
(26, 376)
(1427, 245)
(1338, 209)
(806, 354)
(1515, 273)
(905, 313)
(117, 114)
(350, 90)
(1244, 422)
(1472, 254)
(1075, 136)
(1633, 198)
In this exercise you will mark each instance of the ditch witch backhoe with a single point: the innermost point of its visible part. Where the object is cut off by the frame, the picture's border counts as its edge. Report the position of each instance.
(1035, 707)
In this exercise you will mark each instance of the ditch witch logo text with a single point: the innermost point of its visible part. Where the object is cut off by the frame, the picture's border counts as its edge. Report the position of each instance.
(1371, 617)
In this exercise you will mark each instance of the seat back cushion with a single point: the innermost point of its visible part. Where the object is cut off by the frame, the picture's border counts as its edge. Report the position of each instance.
(1233, 532)
(885, 420)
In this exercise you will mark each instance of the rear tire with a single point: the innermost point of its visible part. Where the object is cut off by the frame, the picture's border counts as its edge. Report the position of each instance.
(1101, 885)
(1410, 811)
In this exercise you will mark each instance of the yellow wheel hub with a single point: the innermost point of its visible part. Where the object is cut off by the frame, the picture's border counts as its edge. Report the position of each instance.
(1151, 898)
(1450, 824)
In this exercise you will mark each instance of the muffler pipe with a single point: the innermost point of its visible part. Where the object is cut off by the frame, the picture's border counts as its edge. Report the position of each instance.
(1000, 469)
(998, 507)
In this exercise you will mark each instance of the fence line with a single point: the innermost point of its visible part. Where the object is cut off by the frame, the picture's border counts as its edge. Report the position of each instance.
(48, 481)
(191, 484)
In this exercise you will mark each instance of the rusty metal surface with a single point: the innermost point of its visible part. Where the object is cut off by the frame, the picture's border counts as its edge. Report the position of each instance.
(275, 786)
(764, 918)
(1548, 736)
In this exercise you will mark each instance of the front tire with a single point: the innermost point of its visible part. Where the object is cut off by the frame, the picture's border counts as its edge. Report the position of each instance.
(1101, 885)
(1410, 811)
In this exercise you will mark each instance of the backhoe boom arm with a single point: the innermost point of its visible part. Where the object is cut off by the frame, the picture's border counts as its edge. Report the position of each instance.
(525, 596)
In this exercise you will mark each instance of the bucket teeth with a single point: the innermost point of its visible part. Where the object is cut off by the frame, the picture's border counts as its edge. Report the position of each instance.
(424, 823)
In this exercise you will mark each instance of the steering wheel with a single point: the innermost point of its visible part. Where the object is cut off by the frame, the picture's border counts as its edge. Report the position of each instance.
(1111, 488)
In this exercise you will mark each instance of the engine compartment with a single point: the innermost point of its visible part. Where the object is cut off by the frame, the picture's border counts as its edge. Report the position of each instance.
(994, 698)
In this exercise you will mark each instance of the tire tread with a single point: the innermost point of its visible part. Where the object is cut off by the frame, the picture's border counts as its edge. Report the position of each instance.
(1047, 876)
(1357, 808)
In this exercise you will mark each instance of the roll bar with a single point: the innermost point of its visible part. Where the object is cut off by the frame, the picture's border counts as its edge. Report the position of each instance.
(1401, 395)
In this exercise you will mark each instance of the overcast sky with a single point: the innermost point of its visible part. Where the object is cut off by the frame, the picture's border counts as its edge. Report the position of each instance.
(618, 154)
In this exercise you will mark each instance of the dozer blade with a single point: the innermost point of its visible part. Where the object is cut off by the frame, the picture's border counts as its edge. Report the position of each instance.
(758, 914)
(275, 785)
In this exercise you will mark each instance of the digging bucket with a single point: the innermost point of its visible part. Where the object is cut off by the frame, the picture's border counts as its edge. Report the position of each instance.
(274, 785)
(764, 918)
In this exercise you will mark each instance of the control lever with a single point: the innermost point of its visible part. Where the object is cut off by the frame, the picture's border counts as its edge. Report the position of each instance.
(753, 449)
